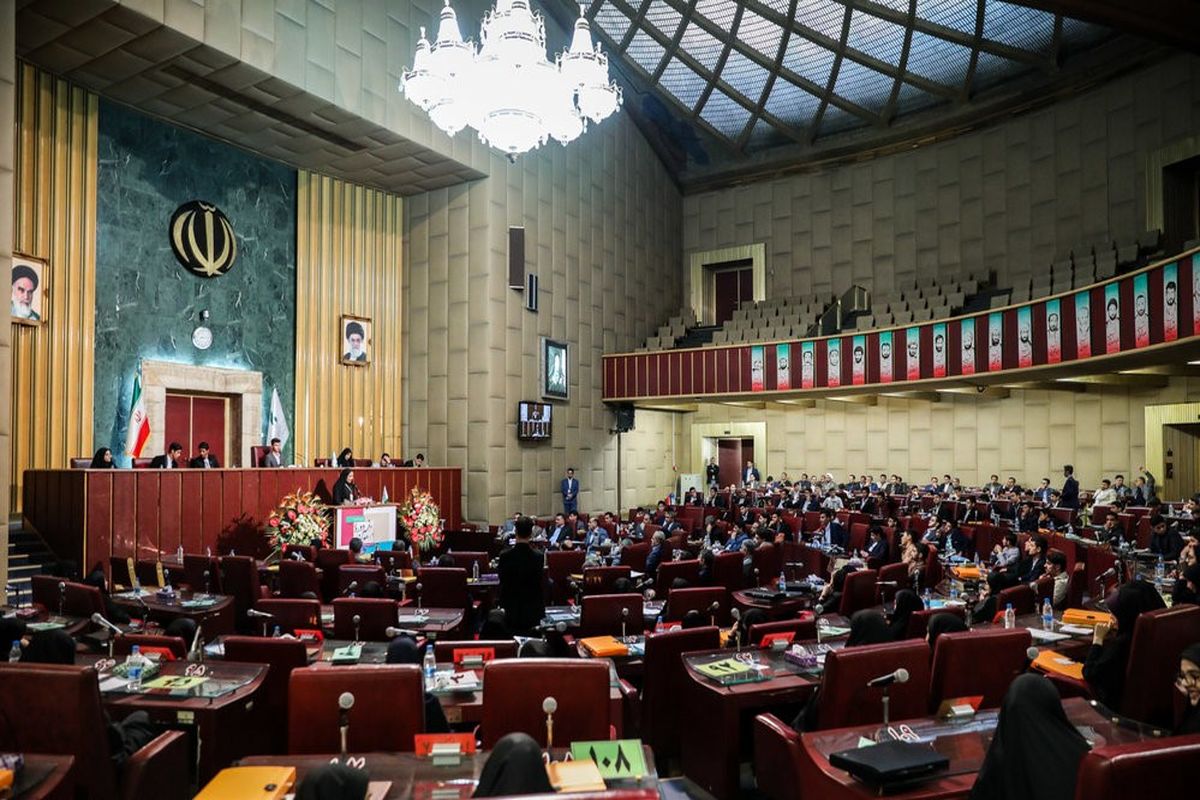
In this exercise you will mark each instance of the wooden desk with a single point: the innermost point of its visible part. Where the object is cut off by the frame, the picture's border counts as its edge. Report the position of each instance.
(712, 714)
(214, 611)
(47, 777)
(774, 609)
(212, 714)
(964, 743)
(415, 777)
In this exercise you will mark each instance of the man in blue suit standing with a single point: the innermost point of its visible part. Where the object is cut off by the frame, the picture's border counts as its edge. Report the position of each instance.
(1069, 497)
(570, 491)
(750, 474)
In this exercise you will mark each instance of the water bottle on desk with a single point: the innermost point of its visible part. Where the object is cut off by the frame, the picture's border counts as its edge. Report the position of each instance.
(927, 598)
(429, 666)
(953, 592)
(1010, 617)
(1047, 615)
(475, 570)
(1160, 573)
(134, 663)
(277, 633)
(14, 652)
(782, 582)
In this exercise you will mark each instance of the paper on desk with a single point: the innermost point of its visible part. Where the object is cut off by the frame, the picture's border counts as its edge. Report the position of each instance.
(412, 619)
(1075, 630)
(112, 683)
(1040, 635)
(864, 742)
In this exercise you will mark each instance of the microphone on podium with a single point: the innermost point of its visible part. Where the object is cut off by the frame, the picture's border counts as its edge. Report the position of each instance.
(549, 706)
(345, 703)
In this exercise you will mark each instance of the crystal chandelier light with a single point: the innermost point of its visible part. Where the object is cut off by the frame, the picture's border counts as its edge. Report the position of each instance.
(508, 91)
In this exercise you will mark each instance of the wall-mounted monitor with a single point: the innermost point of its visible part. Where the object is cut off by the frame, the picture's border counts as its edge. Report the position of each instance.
(533, 420)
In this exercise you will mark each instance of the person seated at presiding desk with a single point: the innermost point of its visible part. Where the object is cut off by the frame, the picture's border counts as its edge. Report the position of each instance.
(344, 459)
(172, 459)
(560, 535)
(204, 459)
(102, 460)
(274, 456)
(344, 489)
(385, 460)
(521, 571)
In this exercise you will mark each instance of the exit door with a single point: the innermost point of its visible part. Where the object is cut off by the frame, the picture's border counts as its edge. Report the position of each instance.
(732, 455)
(191, 419)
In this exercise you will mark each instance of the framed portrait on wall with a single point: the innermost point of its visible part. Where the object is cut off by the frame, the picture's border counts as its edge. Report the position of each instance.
(29, 290)
(355, 335)
(555, 366)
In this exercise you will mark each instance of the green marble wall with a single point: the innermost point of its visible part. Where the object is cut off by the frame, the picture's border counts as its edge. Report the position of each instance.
(147, 304)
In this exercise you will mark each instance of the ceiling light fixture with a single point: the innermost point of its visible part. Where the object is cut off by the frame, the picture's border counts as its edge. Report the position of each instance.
(507, 90)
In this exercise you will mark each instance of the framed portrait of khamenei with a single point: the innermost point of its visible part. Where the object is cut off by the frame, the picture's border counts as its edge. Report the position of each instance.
(555, 369)
(355, 335)
(29, 288)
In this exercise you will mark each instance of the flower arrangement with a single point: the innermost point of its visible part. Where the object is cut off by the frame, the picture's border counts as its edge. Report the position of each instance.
(423, 519)
(299, 518)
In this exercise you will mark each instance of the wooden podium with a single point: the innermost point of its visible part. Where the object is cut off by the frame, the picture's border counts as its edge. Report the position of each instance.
(373, 524)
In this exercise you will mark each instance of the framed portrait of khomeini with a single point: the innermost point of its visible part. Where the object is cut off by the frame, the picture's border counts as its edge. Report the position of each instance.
(356, 340)
(554, 370)
(29, 290)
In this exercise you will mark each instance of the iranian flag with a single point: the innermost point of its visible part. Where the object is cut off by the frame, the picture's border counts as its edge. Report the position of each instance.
(139, 423)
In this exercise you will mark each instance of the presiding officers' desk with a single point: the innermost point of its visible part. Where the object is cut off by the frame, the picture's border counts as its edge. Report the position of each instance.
(90, 515)
(211, 700)
(965, 743)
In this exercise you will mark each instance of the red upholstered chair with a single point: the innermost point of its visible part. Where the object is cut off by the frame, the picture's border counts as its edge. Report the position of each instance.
(271, 703)
(121, 571)
(1076, 585)
(1043, 590)
(1158, 639)
(634, 556)
(515, 690)
(362, 574)
(701, 598)
(560, 566)
(846, 700)
(932, 574)
(776, 758)
(602, 615)
(804, 626)
(600, 580)
(81, 463)
(668, 571)
(239, 578)
(1165, 767)
(444, 587)
(76, 599)
(858, 536)
(123, 645)
(307, 552)
(663, 676)
(1023, 600)
(291, 614)
(768, 561)
(258, 452)
(298, 577)
(56, 709)
(978, 663)
(328, 560)
(194, 568)
(858, 592)
(892, 574)
(389, 708)
(463, 559)
(392, 560)
(376, 615)
(918, 622)
(444, 650)
(728, 572)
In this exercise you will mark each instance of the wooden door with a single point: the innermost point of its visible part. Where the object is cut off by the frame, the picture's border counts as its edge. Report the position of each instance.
(191, 419)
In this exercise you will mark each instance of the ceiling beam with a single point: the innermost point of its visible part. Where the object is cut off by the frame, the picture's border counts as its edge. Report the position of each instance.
(791, 405)
(1120, 379)
(1048, 386)
(856, 399)
(1173, 22)
(928, 397)
(990, 392)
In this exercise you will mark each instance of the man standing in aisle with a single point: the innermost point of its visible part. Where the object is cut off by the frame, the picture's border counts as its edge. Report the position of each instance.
(569, 487)
(750, 475)
(520, 571)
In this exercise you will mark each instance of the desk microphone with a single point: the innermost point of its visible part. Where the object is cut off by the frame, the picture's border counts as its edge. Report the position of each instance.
(712, 612)
(296, 556)
(254, 613)
(624, 620)
(62, 598)
(549, 706)
(392, 633)
(351, 589)
(899, 676)
(357, 620)
(736, 616)
(207, 582)
(886, 583)
(345, 703)
(1031, 655)
(98, 619)
(420, 597)
(196, 652)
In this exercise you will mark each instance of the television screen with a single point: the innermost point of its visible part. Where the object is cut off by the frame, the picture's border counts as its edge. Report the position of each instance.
(533, 420)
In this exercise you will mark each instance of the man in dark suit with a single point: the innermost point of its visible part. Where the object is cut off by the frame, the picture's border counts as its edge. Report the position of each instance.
(521, 570)
(712, 472)
(559, 533)
(205, 459)
(172, 460)
(1044, 492)
(877, 547)
(1069, 497)
(658, 545)
(569, 487)
(274, 456)
(830, 532)
(750, 474)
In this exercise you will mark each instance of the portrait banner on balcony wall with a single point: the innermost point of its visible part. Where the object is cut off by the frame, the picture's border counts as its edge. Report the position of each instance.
(885, 357)
(1025, 336)
(1112, 318)
(757, 371)
(912, 349)
(939, 350)
(783, 366)
(834, 358)
(1141, 310)
(1053, 331)
(967, 337)
(1083, 325)
(806, 365)
(858, 359)
(1170, 302)
(995, 341)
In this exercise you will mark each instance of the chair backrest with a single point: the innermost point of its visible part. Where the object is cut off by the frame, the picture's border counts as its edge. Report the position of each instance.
(60, 707)
(601, 615)
(120, 570)
(392, 560)
(281, 657)
(846, 700)
(1117, 772)
(291, 614)
(1023, 600)
(668, 571)
(700, 598)
(1076, 585)
(76, 599)
(296, 578)
(1043, 589)
(933, 573)
(465, 558)
(892, 573)
(389, 708)
(858, 592)
(328, 559)
(727, 571)
(978, 663)
(1158, 639)
(123, 645)
(362, 574)
(664, 677)
(443, 587)
(149, 572)
(517, 687)
(600, 580)
(804, 626)
(634, 556)
(918, 621)
(307, 552)
(257, 453)
(768, 560)
(239, 578)
(376, 615)
(194, 567)
(777, 769)
(444, 651)
(561, 564)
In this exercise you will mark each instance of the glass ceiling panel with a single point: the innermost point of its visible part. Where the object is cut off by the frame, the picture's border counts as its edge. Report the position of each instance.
(809, 60)
(761, 34)
(791, 104)
(701, 45)
(822, 16)
(683, 83)
(719, 12)
(863, 86)
(876, 37)
(724, 114)
(664, 17)
(938, 59)
(956, 14)
(744, 75)
(645, 51)
(613, 21)
(991, 69)
(1018, 26)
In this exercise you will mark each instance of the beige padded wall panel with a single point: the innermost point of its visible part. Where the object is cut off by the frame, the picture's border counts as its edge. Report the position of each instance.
(1005, 198)
(8, 123)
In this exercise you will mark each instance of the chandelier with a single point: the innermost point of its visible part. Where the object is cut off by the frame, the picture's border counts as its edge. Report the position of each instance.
(507, 90)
